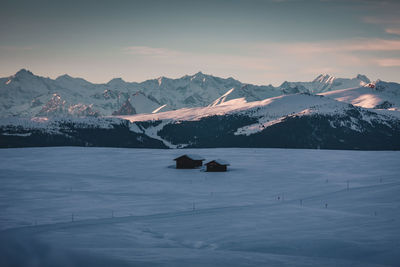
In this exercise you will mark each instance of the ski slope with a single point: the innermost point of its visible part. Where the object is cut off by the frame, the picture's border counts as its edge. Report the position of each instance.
(130, 207)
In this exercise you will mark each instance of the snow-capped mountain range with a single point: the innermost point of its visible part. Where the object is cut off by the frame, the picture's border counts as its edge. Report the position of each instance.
(238, 119)
(27, 95)
(199, 111)
(289, 121)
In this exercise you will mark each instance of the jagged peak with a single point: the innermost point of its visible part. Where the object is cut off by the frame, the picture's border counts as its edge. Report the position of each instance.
(363, 78)
(199, 76)
(23, 72)
(284, 84)
(324, 78)
(323, 75)
(198, 73)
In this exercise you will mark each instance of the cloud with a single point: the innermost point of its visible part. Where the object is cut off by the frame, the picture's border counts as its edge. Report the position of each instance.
(272, 62)
(262, 53)
(390, 24)
(328, 56)
(150, 51)
(393, 31)
(355, 45)
(371, 45)
(187, 58)
(389, 62)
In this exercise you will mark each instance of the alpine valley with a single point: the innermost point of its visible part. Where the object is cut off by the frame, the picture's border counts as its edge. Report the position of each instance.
(197, 111)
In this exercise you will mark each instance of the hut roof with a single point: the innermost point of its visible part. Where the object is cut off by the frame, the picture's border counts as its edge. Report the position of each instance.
(191, 156)
(220, 162)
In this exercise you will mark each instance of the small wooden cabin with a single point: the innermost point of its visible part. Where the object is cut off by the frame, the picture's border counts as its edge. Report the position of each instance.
(189, 161)
(217, 165)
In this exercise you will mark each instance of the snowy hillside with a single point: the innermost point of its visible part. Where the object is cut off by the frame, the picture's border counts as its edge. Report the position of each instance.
(26, 95)
(377, 95)
(269, 112)
(293, 121)
(130, 207)
(324, 83)
(275, 108)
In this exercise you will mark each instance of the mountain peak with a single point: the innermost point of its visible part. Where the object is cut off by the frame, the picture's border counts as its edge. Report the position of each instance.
(324, 78)
(198, 76)
(324, 75)
(116, 81)
(23, 72)
(363, 78)
(64, 77)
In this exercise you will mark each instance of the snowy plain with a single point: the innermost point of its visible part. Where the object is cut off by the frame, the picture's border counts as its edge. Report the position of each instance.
(130, 207)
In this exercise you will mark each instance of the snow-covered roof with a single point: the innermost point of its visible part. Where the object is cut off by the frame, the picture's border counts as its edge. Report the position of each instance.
(191, 156)
(220, 162)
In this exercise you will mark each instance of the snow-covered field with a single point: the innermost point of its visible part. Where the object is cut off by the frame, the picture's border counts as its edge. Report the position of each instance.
(274, 207)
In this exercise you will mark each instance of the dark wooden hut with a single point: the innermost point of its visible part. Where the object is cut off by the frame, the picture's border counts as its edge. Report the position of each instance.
(189, 161)
(217, 165)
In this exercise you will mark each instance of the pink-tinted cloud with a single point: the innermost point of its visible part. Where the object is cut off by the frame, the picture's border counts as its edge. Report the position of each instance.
(371, 45)
(273, 62)
(356, 45)
(150, 51)
(393, 31)
(389, 62)
(390, 24)
(329, 57)
(181, 57)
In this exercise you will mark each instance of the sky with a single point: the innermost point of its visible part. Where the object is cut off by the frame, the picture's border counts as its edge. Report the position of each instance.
(254, 41)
